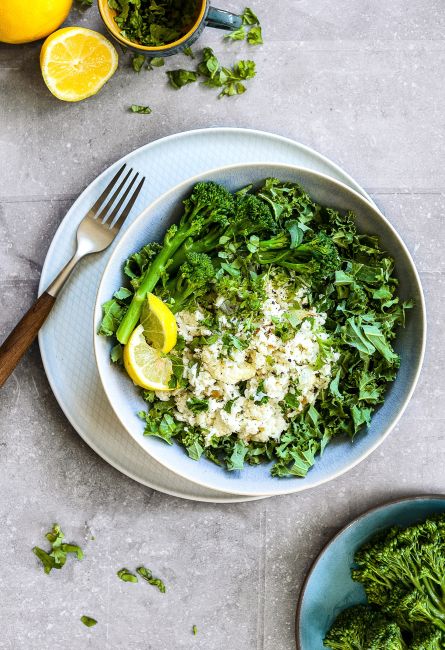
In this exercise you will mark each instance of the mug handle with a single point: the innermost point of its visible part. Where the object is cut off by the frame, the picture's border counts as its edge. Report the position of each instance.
(223, 19)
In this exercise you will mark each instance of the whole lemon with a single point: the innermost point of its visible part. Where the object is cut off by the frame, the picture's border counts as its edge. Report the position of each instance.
(22, 21)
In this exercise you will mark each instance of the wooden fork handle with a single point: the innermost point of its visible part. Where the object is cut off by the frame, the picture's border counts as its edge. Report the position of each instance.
(24, 333)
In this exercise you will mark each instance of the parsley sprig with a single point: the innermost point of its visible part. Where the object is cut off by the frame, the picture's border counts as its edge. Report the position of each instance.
(57, 556)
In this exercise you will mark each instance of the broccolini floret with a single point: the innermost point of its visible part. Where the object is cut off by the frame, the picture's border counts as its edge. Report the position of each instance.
(363, 628)
(317, 257)
(191, 281)
(251, 216)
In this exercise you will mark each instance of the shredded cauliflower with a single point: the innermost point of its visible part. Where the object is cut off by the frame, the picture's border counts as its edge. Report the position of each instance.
(245, 385)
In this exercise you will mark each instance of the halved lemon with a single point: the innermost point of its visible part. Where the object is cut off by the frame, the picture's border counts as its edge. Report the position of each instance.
(146, 366)
(159, 324)
(76, 63)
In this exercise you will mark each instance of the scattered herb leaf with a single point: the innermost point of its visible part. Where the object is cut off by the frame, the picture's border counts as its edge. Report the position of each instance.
(180, 78)
(144, 110)
(147, 575)
(88, 621)
(56, 558)
(137, 62)
(126, 575)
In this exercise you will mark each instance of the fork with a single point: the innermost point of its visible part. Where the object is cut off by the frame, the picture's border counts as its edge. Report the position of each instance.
(95, 233)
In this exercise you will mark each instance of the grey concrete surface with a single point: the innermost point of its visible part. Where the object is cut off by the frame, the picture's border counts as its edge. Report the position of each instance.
(360, 81)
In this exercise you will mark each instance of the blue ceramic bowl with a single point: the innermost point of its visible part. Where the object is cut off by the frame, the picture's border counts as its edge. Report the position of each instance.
(340, 455)
(329, 588)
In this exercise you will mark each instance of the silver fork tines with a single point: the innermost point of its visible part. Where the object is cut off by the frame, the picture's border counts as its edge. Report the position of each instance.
(102, 222)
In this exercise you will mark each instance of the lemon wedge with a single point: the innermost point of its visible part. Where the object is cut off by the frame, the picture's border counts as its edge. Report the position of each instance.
(76, 62)
(159, 324)
(146, 366)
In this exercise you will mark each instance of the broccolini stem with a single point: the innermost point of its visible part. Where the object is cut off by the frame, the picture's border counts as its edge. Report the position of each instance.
(149, 281)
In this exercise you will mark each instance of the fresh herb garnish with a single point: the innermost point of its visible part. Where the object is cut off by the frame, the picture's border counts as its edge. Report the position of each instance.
(56, 557)
(255, 37)
(126, 575)
(197, 405)
(155, 62)
(249, 18)
(194, 630)
(88, 621)
(228, 79)
(144, 110)
(180, 78)
(154, 22)
(137, 62)
(147, 575)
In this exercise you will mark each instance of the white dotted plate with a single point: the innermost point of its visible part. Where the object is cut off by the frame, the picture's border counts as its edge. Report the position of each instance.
(66, 341)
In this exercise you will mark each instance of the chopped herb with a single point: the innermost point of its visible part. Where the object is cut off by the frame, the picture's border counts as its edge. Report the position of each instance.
(137, 62)
(237, 34)
(154, 22)
(197, 405)
(126, 575)
(195, 630)
(188, 52)
(249, 18)
(229, 79)
(56, 558)
(180, 78)
(88, 621)
(144, 110)
(147, 575)
(155, 62)
(85, 4)
(229, 404)
(255, 37)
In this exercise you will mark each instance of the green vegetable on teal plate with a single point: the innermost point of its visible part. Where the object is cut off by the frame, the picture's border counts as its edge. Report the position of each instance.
(234, 246)
(143, 110)
(57, 556)
(88, 621)
(126, 575)
(147, 575)
(402, 572)
(364, 628)
(154, 23)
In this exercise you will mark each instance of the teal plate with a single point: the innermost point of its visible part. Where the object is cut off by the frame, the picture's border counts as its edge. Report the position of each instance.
(329, 588)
